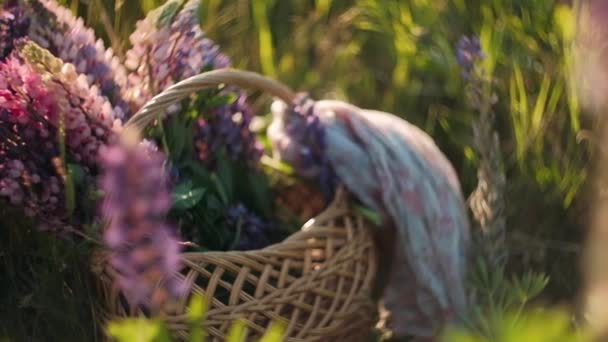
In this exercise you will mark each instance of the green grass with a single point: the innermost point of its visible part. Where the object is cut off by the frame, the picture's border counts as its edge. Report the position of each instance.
(47, 289)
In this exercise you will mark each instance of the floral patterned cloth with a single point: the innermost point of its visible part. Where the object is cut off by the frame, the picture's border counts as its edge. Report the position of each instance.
(396, 169)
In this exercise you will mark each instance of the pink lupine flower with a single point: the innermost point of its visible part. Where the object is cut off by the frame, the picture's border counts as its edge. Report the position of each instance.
(41, 101)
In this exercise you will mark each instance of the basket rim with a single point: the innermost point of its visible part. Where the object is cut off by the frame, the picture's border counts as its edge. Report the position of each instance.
(156, 107)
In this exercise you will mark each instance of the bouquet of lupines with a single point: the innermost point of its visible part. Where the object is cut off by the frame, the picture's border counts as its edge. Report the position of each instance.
(194, 182)
(52, 125)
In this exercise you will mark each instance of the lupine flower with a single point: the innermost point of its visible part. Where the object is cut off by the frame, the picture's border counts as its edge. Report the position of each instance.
(66, 36)
(13, 26)
(297, 134)
(169, 46)
(468, 52)
(144, 249)
(41, 100)
(252, 229)
(90, 120)
(487, 200)
(228, 128)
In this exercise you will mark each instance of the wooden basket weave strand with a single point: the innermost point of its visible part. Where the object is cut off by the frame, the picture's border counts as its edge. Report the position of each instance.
(318, 281)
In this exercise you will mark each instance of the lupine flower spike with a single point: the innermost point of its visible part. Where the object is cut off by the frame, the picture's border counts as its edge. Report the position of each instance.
(252, 230)
(144, 248)
(55, 28)
(44, 102)
(300, 138)
(487, 200)
(169, 46)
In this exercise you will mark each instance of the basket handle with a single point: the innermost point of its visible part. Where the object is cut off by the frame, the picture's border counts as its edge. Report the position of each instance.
(155, 108)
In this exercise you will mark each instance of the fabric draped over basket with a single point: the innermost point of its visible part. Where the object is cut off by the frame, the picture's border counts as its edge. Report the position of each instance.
(396, 169)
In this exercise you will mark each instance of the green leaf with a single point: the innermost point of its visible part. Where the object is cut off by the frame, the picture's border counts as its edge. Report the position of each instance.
(369, 214)
(540, 106)
(196, 313)
(77, 173)
(138, 330)
(260, 190)
(198, 170)
(148, 5)
(214, 204)
(197, 308)
(565, 21)
(177, 135)
(70, 194)
(277, 165)
(220, 100)
(274, 333)
(185, 197)
(237, 332)
(533, 325)
(225, 174)
(168, 12)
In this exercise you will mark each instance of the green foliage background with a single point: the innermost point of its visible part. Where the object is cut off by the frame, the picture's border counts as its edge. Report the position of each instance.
(398, 56)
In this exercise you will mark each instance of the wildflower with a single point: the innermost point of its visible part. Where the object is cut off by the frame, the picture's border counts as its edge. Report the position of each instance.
(55, 28)
(169, 46)
(487, 200)
(252, 231)
(227, 128)
(468, 52)
(41, 101)
(298, 136)
(144, 249)
(89, 119)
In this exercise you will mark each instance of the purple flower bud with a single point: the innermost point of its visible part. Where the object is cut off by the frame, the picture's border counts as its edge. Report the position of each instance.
(253, 230)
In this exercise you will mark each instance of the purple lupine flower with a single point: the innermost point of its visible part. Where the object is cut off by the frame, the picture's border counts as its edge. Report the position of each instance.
(66, 36)
(468, 52)
(144, 248)
(169, 46)
(227, 128)
(252, 229)
(297, 133)
(13, 26)
(90, 120)
(41, 99)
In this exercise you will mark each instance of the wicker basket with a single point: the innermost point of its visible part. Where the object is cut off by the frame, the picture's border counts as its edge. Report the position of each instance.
(318, 281)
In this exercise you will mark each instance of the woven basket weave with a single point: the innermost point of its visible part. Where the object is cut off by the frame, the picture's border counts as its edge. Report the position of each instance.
(318, 281)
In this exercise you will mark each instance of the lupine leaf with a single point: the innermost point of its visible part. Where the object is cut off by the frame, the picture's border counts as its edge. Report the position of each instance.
(186, 197)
